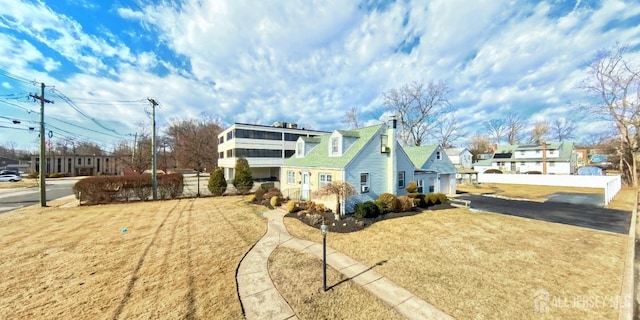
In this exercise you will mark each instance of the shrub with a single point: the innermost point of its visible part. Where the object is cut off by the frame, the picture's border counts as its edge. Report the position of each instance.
(273, 192)
(366, 209)
(406, 203)
(275, 201)
(291, 206)
(170, 185)
(412, 187)
(422, 200)
(56, 175)
(259, 194)
(320, 207)
(252, 198)
(217, 185)
(33, 175)
(242, 180)
(389, 202)
(442, 198)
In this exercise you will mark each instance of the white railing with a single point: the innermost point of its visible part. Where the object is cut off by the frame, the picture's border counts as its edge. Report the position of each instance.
(610, 184)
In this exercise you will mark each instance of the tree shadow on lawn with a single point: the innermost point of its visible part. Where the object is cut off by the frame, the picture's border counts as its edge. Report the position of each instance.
(350, 223)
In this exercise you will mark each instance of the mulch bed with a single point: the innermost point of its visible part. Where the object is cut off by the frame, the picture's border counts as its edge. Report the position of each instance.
(350, 223)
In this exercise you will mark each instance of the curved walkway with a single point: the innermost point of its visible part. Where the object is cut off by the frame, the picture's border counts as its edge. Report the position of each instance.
(261, 300)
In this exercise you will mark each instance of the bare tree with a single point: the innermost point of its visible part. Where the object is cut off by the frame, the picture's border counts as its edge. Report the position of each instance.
(562, 129)
(515, 127)
(615, 82)
(194, 143)
(416, 104)
(539, 131)
(497, 129)
(448, 129)
(341, 189)
(479, 144)
(136, 156)
(350, 118)
(88, 148)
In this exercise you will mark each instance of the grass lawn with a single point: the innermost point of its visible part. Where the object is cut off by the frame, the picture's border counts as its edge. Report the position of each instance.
(24, 183)
(176, 260)
(298, 277)
(477, 265)
(536, 193)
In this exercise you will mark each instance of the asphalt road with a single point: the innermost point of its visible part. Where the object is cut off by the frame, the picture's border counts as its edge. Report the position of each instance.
(14, 198)
(581, 215)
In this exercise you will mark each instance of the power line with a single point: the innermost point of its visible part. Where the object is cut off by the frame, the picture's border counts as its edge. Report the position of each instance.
(75, 107)
(16, 77)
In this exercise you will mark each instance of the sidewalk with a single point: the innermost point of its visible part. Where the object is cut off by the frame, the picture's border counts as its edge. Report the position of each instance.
(261, 300)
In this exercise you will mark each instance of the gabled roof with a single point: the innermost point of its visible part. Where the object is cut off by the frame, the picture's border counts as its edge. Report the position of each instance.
(420, 155)
(454, 152)
(319, 155)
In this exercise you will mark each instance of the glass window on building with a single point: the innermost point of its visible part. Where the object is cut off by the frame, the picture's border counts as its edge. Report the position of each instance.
(401, 179)
(325, 179)
(291, 177)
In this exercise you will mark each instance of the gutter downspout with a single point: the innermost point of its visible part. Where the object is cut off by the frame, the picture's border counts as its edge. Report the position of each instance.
(392, 162)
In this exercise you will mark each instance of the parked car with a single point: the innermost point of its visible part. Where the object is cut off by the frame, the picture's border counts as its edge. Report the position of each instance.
(10, 178)
(8, 172)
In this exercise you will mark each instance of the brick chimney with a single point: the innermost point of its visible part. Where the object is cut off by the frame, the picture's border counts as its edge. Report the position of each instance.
(544, 158)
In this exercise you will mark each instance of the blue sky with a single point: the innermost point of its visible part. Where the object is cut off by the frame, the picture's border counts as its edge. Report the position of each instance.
(298, 61)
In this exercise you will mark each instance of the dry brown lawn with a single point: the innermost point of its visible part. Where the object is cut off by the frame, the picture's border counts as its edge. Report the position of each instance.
(25, 183)
(298, 276)
(477, 265)
(176, 260)
(531, 192)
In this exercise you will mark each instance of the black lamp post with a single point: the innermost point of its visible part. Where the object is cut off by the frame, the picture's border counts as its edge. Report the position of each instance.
(323, 229)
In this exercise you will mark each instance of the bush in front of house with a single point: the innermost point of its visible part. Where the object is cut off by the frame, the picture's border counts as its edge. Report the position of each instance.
(366, 209)
(389, 202)
(275, 201)
(291, 206)
(406, 203)
(272, 192)
(217, 184)
(259, 194)
(242, 180)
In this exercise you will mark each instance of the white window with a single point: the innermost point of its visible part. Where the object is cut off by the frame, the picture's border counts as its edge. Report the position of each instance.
(420, 186)
(438, 155)
(334, 145)
(291, 177)
(401, 179)
(552, 164)
(325, 179)
(550, 151)
(364, 182)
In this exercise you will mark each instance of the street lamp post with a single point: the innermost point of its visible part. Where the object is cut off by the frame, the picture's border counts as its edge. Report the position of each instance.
(323, 229)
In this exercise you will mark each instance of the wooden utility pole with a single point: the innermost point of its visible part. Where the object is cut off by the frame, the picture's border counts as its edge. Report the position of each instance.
(154, 168)
(43, 160)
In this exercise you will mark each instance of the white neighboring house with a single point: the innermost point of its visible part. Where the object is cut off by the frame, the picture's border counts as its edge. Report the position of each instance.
(461, 157)
(264, 147)
(545, 158)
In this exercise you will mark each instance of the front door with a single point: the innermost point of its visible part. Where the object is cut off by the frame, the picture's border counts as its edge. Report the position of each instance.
(305, 186)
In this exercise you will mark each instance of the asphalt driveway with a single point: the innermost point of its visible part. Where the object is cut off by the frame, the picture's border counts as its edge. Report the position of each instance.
(581, 215)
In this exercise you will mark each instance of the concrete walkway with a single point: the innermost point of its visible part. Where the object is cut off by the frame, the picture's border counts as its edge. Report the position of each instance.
(261, 300)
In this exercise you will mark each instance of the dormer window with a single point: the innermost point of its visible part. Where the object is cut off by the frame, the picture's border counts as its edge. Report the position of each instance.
(300, 149)
(334, 146)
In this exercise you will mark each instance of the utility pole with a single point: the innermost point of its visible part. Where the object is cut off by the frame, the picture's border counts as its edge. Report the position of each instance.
(43, 160)
(154, 174)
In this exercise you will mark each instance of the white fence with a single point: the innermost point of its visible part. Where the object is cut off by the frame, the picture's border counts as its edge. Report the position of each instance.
(610, 184)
